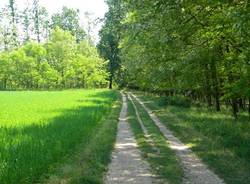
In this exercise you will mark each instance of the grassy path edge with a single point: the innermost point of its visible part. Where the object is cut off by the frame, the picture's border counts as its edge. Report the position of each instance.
(90, 164)
(220, 141)
(194, 170)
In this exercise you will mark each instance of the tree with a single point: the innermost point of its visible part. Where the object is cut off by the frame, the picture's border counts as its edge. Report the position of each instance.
(60, 58)
(110, 37)
(61, 50)
(41, 21)
(36, 19)
(164, 44)
(68, 20)
(14, 19)
(26, 22)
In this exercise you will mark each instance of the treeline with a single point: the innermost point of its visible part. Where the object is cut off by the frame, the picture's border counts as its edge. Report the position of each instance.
(33, 22)
(42, 52)
(199, 49)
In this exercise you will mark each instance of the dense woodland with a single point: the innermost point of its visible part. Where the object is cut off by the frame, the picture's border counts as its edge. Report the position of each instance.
(197, 49)
(42, 52)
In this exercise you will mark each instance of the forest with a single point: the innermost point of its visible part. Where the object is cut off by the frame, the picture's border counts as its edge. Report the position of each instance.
(196, 49)
(42, 52)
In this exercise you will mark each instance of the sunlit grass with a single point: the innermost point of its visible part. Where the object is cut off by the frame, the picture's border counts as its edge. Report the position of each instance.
(220, 141)
(40, 129)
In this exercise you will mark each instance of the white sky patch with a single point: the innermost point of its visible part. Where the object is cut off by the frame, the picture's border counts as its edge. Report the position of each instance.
(97, 9)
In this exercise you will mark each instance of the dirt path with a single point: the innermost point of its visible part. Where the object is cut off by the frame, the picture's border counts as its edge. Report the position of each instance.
(145, 131)
(127, 166)
(195, 172)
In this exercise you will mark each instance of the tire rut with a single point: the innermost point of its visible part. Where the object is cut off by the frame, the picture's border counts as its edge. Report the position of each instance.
(195, 172)
(127, 165)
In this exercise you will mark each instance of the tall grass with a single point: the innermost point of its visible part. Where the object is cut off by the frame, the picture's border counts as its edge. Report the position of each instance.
(41, 129)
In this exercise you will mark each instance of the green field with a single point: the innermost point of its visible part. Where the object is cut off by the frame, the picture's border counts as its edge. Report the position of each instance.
(40, 130)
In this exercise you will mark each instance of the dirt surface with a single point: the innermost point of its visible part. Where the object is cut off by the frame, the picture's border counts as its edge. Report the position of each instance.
(127, 166)
(195, 172)
(145, 131)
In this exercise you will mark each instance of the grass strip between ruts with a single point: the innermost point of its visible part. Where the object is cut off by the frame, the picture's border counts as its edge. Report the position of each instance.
(161, 158)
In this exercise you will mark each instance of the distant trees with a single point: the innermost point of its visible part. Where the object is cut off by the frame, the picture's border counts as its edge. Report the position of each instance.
(59, 63)
(9, 27)
(19, 26)
(198, 49)
(37, 52)
(68, 20)
(40, 19)
(34, 23)
(26, 23)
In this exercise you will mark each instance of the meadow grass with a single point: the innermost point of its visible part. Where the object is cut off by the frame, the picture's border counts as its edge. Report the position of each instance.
(219, 140)
(39, 130)
(162, 159)
(90, 162)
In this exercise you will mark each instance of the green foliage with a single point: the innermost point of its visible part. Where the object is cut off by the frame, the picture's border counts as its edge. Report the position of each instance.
(36, 135)
(196, 47)
(40, 18)
(110, 34)
(59, 63)
(61, 57)
(68, 20)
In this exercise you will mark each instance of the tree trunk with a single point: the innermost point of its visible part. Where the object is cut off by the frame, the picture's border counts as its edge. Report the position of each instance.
(37, 20)
(5, 83)
(241, 104)
(235, 107)
(249, 105)
(215, 85)
(234, 97)
(111, 82)
(207, 86)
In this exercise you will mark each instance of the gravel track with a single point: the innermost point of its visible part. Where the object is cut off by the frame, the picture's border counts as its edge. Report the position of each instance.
(195, 172)
(127, 166)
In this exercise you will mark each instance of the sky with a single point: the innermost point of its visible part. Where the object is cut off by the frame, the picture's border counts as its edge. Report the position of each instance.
(97, 8)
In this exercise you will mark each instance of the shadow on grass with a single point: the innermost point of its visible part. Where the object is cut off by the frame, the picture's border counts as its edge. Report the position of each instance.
(221, 142)
(228, 132)
(29, 152)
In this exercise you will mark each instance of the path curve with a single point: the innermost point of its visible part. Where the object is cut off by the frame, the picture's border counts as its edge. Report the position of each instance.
(127, 166)
(195, 172)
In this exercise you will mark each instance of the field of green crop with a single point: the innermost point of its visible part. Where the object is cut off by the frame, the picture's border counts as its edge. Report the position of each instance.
(38, 130)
